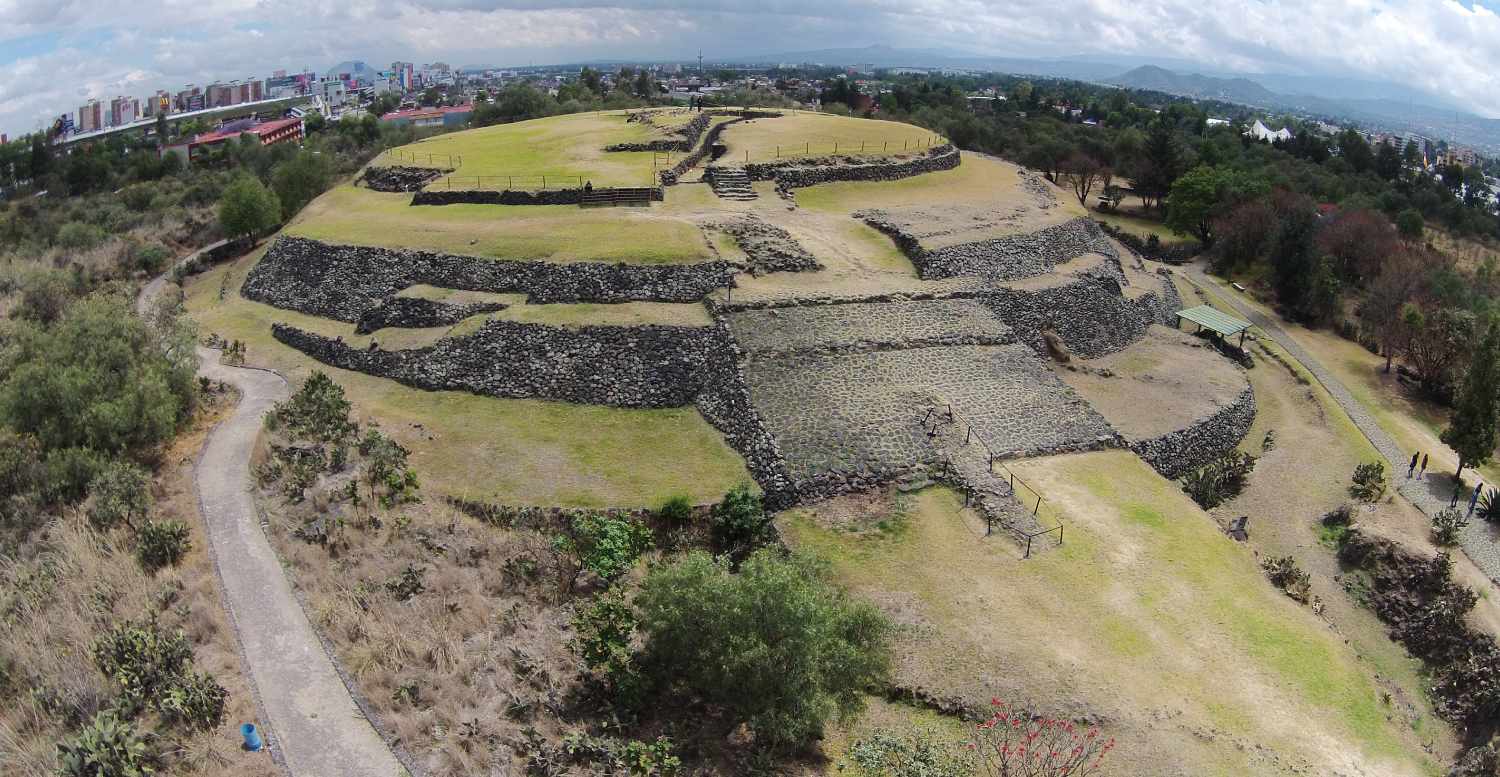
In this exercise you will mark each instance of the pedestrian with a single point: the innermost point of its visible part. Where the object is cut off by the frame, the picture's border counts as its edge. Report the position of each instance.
(1474, 500)
(1458, 488)
(1413, 467)
(1423, 470)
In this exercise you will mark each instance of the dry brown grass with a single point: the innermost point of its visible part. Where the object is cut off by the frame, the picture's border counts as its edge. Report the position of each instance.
(70, 584)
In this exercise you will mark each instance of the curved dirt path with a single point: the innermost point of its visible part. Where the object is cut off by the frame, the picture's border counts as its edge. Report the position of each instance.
(315, 724)
(150, 291)
(311, 724)
(1430, 495)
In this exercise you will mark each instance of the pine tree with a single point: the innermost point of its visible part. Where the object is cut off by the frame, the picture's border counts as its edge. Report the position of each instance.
(1475, 420)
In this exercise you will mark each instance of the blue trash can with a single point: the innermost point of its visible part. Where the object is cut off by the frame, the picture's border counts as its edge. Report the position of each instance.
(252, 737)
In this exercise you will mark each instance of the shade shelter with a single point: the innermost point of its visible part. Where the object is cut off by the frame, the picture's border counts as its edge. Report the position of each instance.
(1222, 323)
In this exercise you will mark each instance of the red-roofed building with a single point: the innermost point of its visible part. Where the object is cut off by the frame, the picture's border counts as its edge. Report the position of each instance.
(269, 132)
(451, 116)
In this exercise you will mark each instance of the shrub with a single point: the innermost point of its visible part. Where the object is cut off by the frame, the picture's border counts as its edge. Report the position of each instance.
(607, 545)
(384, 458)
(120, 493)
(1285, 574)
(247, 208)
(151, 259)
(71, 470)
(739, 520)
(44, 300)
(195, 701)
(776, 646)
(142, 658)
(108, 747)
(1447, 525)
(676, 511)
(602, 635)
(406, 586)
(1369, 481)
(102, 379)
(79, 236)
(317, 411)
(1220, 480)
(916, 752)
(1016, 743)
(161, 543)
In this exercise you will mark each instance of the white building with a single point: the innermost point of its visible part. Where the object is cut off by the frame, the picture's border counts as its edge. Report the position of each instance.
(1262, 132)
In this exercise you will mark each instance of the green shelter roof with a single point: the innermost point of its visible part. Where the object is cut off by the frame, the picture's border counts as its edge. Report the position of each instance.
(1209, 318)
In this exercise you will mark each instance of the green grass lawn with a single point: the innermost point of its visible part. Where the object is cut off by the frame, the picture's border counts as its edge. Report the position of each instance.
(1143, 228)
(565, 147)
(819, 133)
(1148, 606)
(557, 233)
(511, 451)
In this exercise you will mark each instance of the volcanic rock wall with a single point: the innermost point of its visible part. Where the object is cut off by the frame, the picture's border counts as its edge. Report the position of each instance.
(343, 282)
(416, 313)
(400, 178)
(1008, 258)
(798, 173)
(1177, 453)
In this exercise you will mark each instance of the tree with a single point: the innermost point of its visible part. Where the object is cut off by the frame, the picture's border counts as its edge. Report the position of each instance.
(777, 646)
(590, 79)
(1475, 420)
(645, 85)
(248, 208)
(1294, 257)
(1392, 288)
(298, 180)
(103, 380)
(1355, 151)
(739, 520)
(1160, 164)
(1201, 193)
(1082, 171)
(1437, 341)
(1360, 241)
(1410, 224)
(1243, 235)
(120, 493)
(1388, 162)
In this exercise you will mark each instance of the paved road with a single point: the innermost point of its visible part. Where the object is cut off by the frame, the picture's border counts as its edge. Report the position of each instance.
(319, 729)
(1431, 494)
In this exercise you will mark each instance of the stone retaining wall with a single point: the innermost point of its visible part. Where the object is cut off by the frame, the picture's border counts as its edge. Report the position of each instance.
(1177, 453)
(689, 133)
(342, 282)
(400, 178)
(642, 367)
(509, 197)
(799, 173)
(1091, 314)
(1008, 258)
(417, 313)
(670, 177)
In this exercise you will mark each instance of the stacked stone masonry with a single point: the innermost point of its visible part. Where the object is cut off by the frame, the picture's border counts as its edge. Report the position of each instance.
(508, 197)
(400, 178)
(799, 173)
(1177, 453)
(767, 248)
(1009, 258)
(344, 282)
(689, 134)
(415, 313)
(867, 327)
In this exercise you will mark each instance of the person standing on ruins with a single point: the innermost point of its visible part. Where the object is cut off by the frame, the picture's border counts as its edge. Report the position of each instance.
(1423, 471)
(1413, 467)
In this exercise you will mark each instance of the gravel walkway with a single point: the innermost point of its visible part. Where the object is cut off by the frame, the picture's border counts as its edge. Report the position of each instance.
(1432, 494)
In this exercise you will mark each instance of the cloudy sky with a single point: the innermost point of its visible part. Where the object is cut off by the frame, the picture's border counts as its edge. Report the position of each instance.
(60, 53)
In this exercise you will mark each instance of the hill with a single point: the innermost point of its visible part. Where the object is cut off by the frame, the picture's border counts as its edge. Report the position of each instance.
(1241, 90)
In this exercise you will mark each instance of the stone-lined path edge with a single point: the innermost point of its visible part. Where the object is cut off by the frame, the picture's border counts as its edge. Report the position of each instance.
(1479, 541)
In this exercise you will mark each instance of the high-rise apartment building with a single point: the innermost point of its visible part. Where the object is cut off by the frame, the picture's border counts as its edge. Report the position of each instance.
(91, 116)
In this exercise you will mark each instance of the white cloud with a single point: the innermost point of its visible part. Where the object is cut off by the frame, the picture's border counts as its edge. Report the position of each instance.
(1444, 47)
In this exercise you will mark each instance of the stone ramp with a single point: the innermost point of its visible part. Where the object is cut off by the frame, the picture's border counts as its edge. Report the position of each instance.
(856, 415)
(867, 326)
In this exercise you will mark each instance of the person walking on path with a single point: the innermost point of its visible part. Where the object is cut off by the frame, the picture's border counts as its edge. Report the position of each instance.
(1473, 500)
(1413, 467)
(1458, 488)
(1423, 471)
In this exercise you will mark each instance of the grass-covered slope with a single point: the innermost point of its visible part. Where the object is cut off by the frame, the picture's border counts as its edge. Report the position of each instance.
(1149, 616)
(509, 451)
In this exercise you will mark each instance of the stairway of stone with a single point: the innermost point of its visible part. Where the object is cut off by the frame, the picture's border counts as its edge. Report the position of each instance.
(733, 183)
(968, 467)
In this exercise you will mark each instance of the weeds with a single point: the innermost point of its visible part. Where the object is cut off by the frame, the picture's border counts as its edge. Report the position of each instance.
(1369, 481)
(1220, 480)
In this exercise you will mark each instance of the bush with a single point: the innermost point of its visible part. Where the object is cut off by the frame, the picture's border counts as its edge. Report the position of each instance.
(142, 658)
(1447, 525)
(1285, 574)
(776, 646)
(195, 701)
(44, 300)
(102, 380)
(739, 521)
(120, 493)
(79, 236)
(151, 259)
(607, 545)
(676, 511)
(317, 411)
(1488, 507)
(247, 208)
(602, 635)
(1369, 481)
(1020, 744)
(161, 544)
(109, 747)
(1411, 224)
(1220, 480)
(71, 470)
(915, 752)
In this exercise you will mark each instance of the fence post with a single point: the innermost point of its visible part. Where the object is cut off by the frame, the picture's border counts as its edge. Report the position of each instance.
(1059, 532)
(1028, 546)
(992, 464)
(1038, 507)
(925, 417)
(544, 182)
(968, 434)
(807, 150)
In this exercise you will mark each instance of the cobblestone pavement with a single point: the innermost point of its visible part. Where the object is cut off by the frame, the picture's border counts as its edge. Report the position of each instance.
(853, 413)
(1431, 494)
(868, 325)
